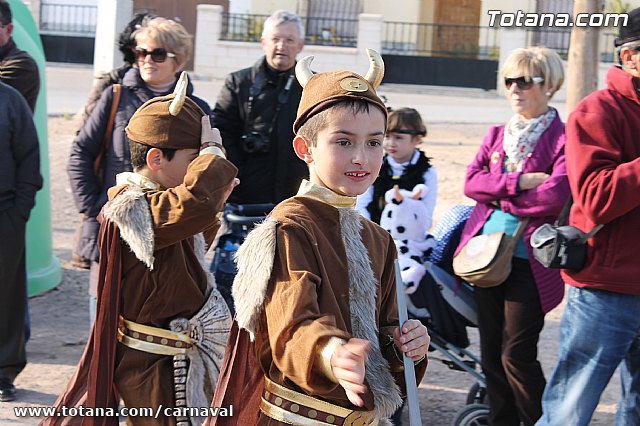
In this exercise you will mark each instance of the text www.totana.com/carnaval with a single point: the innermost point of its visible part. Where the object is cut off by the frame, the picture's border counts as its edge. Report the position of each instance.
(124, 411)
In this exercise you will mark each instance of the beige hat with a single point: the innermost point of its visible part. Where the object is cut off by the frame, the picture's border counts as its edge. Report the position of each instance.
(322, 90)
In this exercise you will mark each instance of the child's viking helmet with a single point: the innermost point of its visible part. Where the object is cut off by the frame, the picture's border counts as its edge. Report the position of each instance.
(320, 91)
(171, 121)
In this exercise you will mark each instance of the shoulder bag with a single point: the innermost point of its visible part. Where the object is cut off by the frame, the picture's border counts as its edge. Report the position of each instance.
(561, 246)
(485, 260)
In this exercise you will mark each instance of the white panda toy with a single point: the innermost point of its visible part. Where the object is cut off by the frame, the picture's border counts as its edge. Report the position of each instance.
(404, 217)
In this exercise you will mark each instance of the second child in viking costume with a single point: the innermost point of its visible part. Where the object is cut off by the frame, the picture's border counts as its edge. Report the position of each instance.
(317, 340)
(161, 324)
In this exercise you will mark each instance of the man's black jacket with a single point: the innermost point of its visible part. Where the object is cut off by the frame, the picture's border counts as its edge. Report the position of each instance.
(274, 175)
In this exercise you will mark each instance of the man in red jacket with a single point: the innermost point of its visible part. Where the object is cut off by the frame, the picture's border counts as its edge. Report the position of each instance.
(600, 329)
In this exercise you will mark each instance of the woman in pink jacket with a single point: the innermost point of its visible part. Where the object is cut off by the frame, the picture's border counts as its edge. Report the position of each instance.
(519, 172)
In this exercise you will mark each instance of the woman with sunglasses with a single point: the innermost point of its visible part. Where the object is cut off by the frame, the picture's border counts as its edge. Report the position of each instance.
(519, 173)
(162, 48)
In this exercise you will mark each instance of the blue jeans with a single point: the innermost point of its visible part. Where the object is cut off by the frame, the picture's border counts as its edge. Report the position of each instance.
(599, 331)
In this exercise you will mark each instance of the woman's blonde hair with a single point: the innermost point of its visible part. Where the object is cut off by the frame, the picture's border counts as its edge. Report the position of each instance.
(535, 62)
(170, 34)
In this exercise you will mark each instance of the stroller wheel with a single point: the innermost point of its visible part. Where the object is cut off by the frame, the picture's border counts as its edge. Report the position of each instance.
(477, 394)
(472, 415)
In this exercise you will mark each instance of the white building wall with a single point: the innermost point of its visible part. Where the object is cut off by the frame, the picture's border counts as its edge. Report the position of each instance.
(267, 7)
(409, 12)
(239, 6)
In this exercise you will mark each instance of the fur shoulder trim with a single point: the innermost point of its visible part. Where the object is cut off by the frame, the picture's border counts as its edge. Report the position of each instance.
(363, 288)
(130, 212)
(255, 263)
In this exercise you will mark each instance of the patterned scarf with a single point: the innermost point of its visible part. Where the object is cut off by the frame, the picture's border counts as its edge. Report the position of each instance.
(520, 138)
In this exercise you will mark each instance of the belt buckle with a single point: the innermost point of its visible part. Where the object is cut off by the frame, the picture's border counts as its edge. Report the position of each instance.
(360, 418)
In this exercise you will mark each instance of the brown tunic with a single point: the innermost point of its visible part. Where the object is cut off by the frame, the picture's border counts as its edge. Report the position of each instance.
(307, 302)
(174, 287)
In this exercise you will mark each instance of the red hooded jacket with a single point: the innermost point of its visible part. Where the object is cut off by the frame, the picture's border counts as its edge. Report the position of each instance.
(603, 165)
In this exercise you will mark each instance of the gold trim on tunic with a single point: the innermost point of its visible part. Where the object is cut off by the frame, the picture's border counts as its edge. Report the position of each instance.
(136, 179)
(320, 193)
(291, 407)
(152, 339)
(325, 357)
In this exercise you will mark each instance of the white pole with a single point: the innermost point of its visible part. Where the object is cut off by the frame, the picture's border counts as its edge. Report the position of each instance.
(113, 16)
(409, 369)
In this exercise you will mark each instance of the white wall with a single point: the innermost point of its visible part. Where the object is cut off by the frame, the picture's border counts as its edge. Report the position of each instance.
(267, 7)
(239, 6)
(408, 12)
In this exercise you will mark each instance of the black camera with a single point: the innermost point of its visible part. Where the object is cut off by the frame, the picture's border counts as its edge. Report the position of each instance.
(255, 143)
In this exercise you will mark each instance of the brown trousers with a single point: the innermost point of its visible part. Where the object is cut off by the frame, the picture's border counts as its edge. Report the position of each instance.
(13, 294)
(510, 319)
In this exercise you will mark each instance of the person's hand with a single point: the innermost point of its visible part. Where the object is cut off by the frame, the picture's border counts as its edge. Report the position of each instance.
(235, 182)
(414, 341)
(531, 180)
(210, 136)
(347, 363)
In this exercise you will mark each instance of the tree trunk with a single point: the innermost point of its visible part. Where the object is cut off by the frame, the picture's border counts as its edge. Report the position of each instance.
(582, 75)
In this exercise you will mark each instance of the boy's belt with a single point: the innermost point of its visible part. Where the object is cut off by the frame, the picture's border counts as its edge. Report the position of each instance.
(291, 407)
(153, 339)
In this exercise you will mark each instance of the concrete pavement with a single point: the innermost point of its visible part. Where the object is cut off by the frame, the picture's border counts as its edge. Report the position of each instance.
(69, 85)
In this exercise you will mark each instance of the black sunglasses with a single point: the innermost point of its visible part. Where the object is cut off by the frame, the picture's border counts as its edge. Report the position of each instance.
(159, 54)
(523, 83)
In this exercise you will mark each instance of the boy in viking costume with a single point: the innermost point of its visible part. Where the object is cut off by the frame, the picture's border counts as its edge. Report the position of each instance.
(318, 341)
(161, 324)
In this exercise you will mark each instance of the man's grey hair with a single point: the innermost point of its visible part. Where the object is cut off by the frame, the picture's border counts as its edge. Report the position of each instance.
(280, 17)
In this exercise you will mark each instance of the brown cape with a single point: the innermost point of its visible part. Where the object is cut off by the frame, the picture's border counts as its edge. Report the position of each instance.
(240, 383)
(92, 383)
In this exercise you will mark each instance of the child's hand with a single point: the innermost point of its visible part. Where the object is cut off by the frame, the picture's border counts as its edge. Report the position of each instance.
(209, 134)
(347, 363)
(414, 341)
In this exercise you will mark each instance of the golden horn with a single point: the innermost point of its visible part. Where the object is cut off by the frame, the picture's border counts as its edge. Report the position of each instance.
(398, 195)
(303, 70)
(181, 94)
(376, 68)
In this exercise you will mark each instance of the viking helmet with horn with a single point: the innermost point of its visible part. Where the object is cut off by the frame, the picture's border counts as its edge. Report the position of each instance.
(320, 91)
(171, 121)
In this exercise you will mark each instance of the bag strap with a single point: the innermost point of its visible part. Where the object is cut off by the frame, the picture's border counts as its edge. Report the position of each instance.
(522, 223)
(106, 141)
(593, 232)
(565, 213)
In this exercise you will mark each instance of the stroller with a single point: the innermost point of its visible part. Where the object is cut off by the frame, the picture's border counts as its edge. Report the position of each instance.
(446, 309)
(239, 219)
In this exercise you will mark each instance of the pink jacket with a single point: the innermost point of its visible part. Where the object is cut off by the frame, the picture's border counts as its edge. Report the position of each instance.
(486, 182)
(603, 164)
